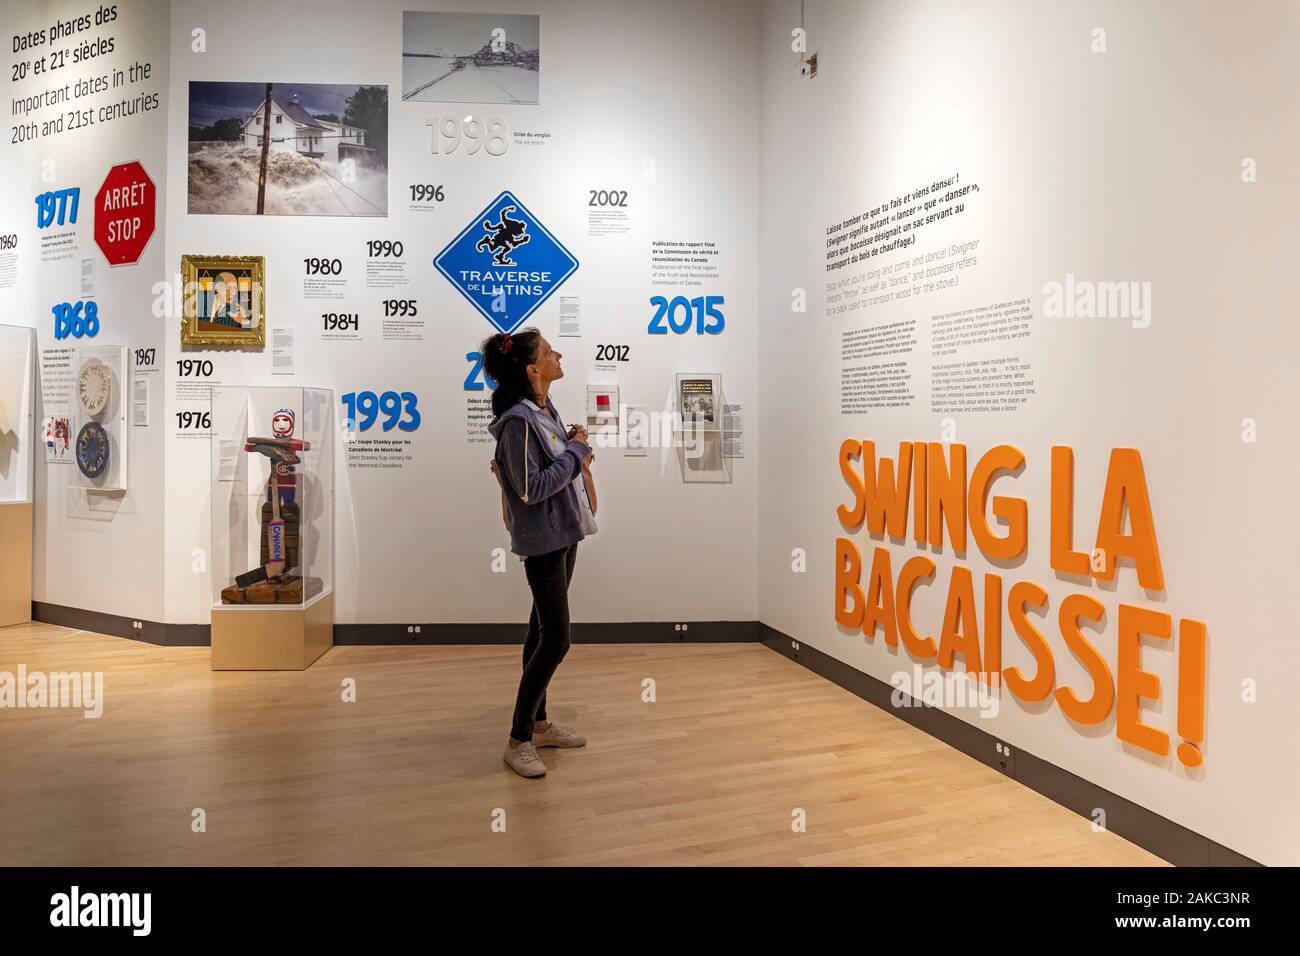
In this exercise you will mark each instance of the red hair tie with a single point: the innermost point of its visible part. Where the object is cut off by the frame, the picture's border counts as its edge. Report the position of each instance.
(506, 343)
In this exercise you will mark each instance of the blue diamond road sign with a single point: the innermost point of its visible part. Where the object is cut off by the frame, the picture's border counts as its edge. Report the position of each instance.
(506, 263)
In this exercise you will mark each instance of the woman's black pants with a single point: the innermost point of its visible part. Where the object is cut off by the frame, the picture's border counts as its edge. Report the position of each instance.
(548, 634)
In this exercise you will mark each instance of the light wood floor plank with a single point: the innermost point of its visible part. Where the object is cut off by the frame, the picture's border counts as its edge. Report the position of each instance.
(707, 775)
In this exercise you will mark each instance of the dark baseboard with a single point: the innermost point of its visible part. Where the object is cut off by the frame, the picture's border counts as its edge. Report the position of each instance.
(1163, 837)
(150, 632)
(621, 632)
(187, 635)
(200, 635)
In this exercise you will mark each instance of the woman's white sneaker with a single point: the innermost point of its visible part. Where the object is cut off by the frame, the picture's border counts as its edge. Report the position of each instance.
(554, 736)
(524, 761)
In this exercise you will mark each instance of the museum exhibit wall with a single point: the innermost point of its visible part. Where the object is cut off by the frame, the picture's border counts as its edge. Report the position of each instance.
(659, 101)
(634, 150)
(1159, 151)
(94, 549)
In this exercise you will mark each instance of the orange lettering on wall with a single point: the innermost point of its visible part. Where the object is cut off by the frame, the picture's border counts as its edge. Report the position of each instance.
(1134, 682)
(1191, 690)
(947, 493)
(886, 495)
(919, 504)
(1024, 593)
(1126, 484)
(992, 630)
(929, 480)
(914, 570)
(1063, 556)
(1014, 510)
(1095, 709)
(848, 572)
(851, 518)
(880, 599)
(960, 633)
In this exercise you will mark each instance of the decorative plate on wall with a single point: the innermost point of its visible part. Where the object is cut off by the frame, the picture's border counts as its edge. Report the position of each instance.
(92, 449)
(93, 386)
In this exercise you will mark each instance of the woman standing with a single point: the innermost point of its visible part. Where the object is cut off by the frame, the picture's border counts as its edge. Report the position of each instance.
(541, 469)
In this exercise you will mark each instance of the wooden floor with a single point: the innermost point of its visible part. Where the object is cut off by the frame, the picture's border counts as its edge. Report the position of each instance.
(411, 773)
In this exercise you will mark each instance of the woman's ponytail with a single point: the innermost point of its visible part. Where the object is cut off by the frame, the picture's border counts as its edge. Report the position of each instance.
(506, 358)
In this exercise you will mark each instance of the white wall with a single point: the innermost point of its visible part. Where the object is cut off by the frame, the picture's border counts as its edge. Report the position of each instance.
(1122, 165)
(620, 84)
(94, 552)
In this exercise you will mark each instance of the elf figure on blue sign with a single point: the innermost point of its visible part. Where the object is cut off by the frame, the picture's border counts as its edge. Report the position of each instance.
(504, 237)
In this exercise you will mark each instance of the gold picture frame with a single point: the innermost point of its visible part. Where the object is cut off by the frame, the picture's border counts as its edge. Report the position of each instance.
(224, 301)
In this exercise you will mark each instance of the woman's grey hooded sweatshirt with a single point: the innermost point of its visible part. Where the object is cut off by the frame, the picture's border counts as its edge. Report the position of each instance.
(546, 498)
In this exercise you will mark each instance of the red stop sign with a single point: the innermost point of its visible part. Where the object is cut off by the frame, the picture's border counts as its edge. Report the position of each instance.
(124, 213)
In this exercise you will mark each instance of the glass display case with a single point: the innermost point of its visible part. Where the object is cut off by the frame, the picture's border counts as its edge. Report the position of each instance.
(698, 434)
(272, 496)
(17, 453)
(17, 398)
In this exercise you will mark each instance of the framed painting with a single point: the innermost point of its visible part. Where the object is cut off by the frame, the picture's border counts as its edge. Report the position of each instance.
(224, 302)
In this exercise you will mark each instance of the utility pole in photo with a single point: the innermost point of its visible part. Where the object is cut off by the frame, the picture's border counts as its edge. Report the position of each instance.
(266, 148)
